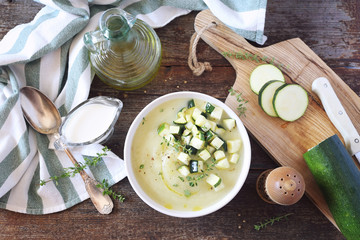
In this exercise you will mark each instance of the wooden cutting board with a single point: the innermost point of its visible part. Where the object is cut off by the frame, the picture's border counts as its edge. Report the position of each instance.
(286, 142)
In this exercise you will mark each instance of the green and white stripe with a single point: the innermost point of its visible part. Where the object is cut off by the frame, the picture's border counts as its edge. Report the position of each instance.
(48, 53)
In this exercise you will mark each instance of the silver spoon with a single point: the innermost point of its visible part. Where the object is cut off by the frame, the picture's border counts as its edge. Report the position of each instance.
(42, 115)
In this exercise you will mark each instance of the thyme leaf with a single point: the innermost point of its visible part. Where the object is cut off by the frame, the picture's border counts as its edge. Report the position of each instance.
(254, 57)
(88, 161)
(107, 191)
(270, 221)
(242, 102)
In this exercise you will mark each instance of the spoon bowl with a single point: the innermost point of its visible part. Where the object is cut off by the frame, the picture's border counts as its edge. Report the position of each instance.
(39, 111)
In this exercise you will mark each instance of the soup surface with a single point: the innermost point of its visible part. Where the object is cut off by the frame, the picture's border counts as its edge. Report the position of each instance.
(156, 165)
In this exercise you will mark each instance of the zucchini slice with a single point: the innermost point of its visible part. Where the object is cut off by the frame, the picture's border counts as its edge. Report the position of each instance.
(338, 177)
(263, 74)
(266, 96)
(290, 102)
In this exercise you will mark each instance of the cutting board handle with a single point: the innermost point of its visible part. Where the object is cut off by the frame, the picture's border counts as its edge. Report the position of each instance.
(286, 142)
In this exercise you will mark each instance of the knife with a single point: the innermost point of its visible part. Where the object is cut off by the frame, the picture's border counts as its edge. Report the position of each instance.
(337, 114)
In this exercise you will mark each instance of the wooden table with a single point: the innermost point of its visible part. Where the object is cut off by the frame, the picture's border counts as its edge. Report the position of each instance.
(330, 28)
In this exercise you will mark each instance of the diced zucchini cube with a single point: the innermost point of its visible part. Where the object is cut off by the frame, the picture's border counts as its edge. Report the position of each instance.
(194, 166)
(190, 149)
(207, 126)
(209, 108)
(180, 121)
(186, 139)
(217, 143)
(200, 135)
(189, 125)
(219, 130)
(229, 123)
(212, 125)
(196, 113)
(163, 129)
(200, 121)
(204, 155)
(234, 158)
(197, 143)
(209, 135)
(184, 158)
(181, 113)
(216, 113)
(184, 170)
(169, 137)
(174, 130)
(210, 149)
(220, 187)
(194, 130)
(234, 146)
(222, 164)
(186, 132)
(213, 180)
(191, 103)
(201, 166)
(219, 155)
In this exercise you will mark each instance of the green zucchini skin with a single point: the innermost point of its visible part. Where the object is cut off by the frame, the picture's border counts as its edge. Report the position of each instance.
(339, 180)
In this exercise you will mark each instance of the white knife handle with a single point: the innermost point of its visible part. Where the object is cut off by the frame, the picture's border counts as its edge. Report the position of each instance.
(337, 114)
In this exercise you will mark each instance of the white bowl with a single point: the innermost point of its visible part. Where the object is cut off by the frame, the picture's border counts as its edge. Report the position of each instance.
(177, 213)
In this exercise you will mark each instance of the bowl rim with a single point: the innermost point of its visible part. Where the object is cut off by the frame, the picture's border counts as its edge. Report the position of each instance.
(178, 213)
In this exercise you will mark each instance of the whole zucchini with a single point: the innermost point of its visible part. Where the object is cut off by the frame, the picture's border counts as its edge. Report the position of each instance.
(339, 180)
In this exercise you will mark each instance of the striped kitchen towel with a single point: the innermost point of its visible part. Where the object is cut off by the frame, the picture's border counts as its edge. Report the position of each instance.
(48, 53)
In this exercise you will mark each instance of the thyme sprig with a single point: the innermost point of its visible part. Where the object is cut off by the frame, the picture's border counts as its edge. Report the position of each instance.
(242, 102)
(193, 180)
(93, 161)
(108, 191)
(176, 145)
(270, 221)
(72, 171)
(254, 57)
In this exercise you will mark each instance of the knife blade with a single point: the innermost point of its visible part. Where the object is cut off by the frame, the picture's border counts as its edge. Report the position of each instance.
(337, 114)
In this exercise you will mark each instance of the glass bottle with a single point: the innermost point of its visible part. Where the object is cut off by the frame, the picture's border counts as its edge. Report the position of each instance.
(124, 52)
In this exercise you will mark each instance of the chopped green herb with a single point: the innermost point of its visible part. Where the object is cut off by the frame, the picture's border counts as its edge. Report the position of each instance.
(187, 193)
(141, 166)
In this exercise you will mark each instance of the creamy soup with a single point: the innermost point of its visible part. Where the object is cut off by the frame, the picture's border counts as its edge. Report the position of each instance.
(156, 164)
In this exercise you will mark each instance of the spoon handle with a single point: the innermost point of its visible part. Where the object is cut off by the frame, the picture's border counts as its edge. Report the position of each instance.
(103, 203)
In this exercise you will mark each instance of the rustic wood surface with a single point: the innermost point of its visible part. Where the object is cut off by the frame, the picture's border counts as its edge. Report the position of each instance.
(286, 142)
(330, 28)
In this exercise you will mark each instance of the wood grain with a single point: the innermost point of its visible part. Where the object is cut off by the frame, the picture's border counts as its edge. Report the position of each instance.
(285, 141)
(330, 28)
